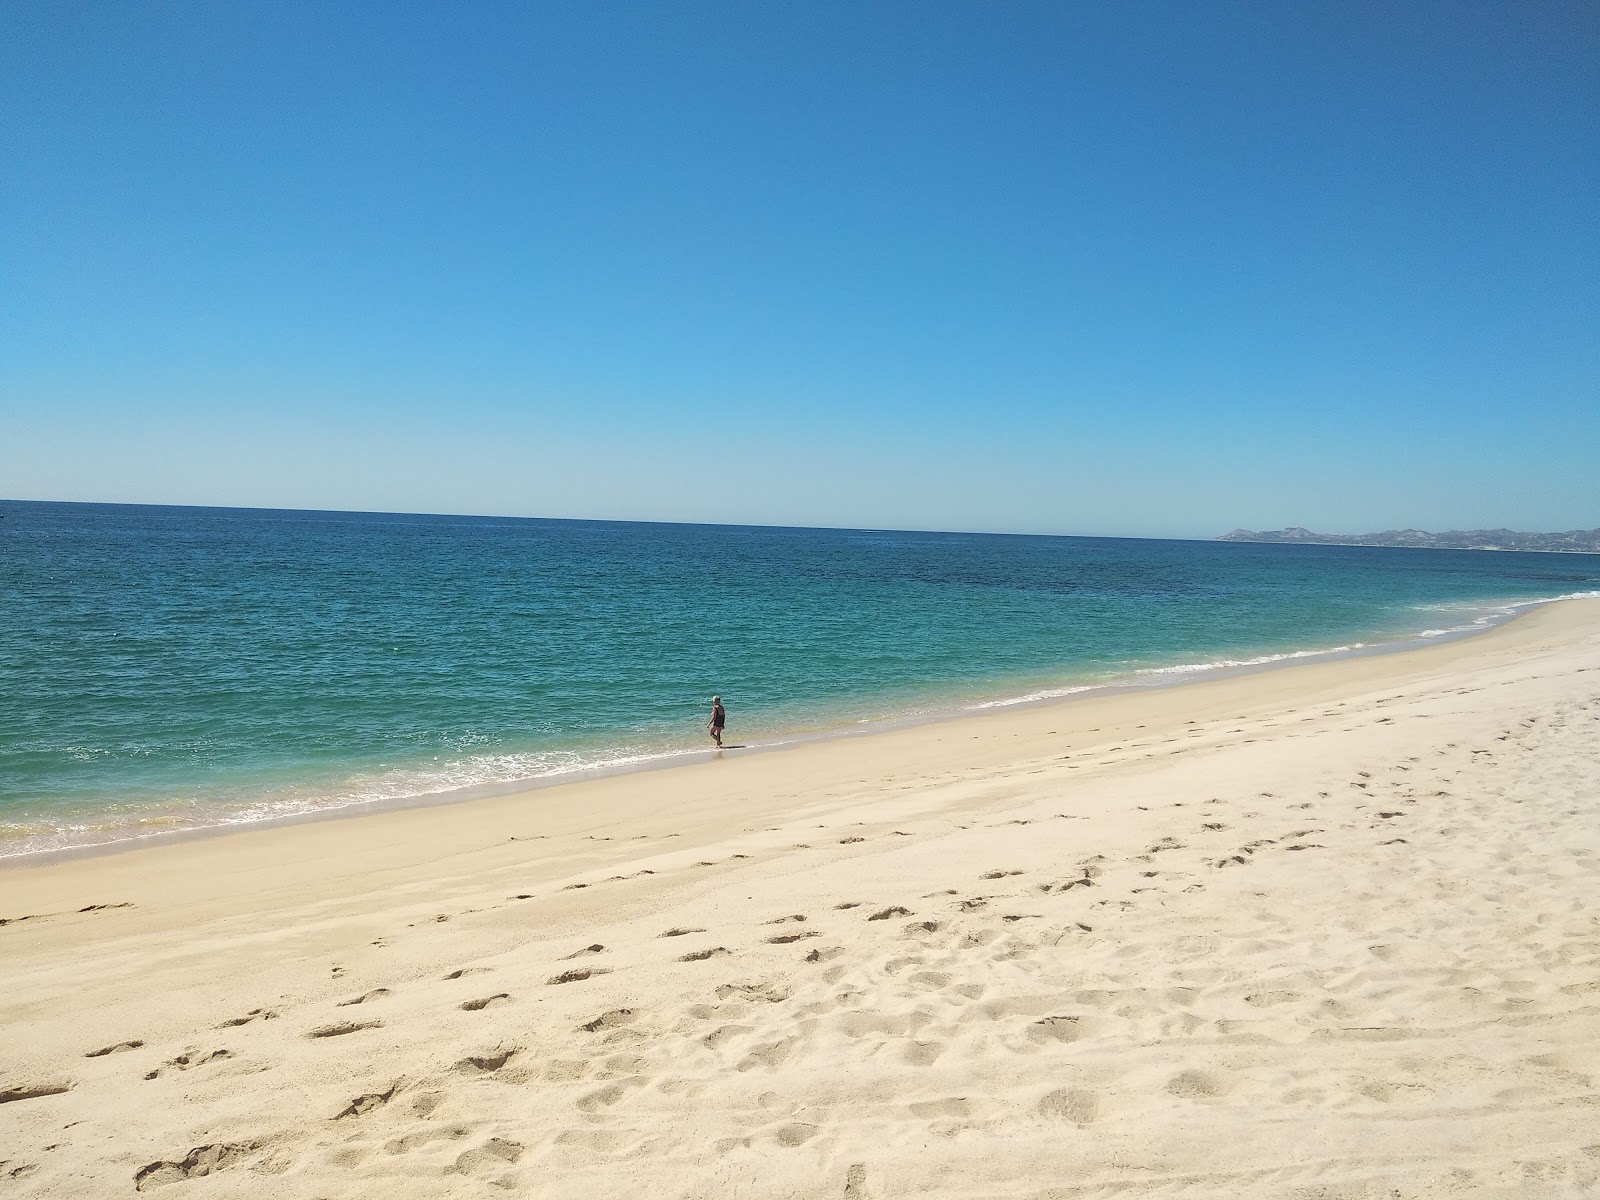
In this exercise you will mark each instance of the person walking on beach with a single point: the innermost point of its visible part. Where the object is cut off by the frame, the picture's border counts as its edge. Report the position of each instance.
(718, 719)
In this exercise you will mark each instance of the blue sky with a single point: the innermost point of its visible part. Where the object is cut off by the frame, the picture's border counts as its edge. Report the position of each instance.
(1146, 269)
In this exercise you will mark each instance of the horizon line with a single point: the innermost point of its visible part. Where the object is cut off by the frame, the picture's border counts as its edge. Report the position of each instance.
(1222, 538)
(383, 512)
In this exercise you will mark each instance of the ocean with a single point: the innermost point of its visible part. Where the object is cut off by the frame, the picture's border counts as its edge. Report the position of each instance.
(167, 669)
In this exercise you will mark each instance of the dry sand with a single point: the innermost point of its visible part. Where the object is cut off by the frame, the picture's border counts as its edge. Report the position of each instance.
(1323, 931)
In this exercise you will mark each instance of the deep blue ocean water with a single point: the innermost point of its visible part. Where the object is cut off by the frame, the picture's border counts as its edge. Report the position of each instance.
(172, 668)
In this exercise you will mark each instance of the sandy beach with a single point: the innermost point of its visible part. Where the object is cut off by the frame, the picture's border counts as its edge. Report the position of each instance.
(1323, 931)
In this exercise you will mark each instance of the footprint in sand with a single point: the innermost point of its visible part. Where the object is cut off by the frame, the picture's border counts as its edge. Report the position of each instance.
(1070, 1104)
(425, 1104)
(724, 1033)
(679, 932)
(1058, 1029)
(119, 1048)
(362, 1105)
(765, 992)
(367, 997)
(31, 1091)
(702, 955)
(1268, 999)
(485, 1002)
(1388, 1092)
(486, 1063)
(202, 1160)
(603, 1098)
(255, 1014)
(592, 948)
(894, 911)
(578, 975)
(198, 1058)
(1197, 1085)
(623, 1066)
(610, 1020)
(1084, 880)
(415, 1141)
(602, 1141)
(463, 972)
(494, 1155)
(339, 1029)
(769, 1054)
(796, 1134)
(565, 1070)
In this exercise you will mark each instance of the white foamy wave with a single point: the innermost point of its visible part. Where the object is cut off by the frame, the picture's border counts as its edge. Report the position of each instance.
(419, 784)
(1262, 660)
(487, 771)
(1032, 697)
(1480, 616)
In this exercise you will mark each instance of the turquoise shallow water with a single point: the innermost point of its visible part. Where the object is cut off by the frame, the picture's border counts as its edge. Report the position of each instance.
(176, 668)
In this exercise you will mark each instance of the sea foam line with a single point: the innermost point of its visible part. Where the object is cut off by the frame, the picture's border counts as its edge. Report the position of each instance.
(1492, 615)
(490, 772)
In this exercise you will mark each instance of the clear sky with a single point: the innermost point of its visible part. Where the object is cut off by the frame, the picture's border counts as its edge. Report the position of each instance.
(1119, 268)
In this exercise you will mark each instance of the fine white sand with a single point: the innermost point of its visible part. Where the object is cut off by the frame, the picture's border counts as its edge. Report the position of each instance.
(1325, 931)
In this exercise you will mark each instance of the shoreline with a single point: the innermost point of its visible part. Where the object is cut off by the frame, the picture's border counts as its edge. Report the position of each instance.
(303, 834)
(1325, 929)
(1496, 614)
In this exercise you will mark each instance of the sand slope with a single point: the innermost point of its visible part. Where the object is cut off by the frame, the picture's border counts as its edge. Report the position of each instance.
(1321, 932)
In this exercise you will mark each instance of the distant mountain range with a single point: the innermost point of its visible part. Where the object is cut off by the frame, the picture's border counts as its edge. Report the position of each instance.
(1574, 541)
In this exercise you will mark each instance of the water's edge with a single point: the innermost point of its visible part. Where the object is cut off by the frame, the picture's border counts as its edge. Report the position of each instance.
(1145, 679)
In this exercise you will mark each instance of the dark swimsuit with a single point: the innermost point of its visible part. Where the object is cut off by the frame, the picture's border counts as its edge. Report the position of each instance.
(718, 718)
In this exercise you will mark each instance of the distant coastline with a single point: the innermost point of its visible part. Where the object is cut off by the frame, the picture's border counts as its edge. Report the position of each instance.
(1573, 541)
